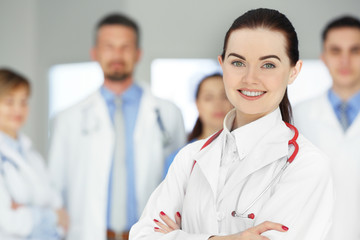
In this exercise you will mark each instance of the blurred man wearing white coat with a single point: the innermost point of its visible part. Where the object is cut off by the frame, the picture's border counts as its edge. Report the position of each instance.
(332, 122)
(108, 151)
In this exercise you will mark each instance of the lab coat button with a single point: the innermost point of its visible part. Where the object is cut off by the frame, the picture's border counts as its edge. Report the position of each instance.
(220, 216)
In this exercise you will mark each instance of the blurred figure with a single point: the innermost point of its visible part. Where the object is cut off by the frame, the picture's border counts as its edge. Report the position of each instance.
(29, 207)
(332, 122)
(108, 152)
(212, 105)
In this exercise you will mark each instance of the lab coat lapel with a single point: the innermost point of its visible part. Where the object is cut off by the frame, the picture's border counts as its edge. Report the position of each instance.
(354, 129)
(11, 154)
(208, 160)
(272, 147)
(329, 115)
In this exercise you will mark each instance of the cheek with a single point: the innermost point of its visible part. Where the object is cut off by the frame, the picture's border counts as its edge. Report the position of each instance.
(25, 112)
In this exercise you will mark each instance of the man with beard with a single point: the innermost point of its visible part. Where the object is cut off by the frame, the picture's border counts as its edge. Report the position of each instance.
(332, 122)
(107, 152)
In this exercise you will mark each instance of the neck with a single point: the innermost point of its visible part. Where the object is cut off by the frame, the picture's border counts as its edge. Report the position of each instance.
(10, 133)
(243, 119)
(118, 87)
(345, 93)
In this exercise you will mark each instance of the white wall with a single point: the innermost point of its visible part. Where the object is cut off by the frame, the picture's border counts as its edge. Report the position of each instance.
(18, 50)
(48, 32)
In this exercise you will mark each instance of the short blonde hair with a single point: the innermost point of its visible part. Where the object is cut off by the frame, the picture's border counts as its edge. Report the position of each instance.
(10, 80)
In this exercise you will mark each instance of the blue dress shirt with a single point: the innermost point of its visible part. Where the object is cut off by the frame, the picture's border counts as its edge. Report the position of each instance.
(130, 107)
(353, 105)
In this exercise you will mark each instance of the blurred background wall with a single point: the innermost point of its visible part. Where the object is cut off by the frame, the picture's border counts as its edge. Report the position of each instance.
(37, 34)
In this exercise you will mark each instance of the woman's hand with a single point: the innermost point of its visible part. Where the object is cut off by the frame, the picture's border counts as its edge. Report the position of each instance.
(254, 233)
(169, 225)
(63, 219)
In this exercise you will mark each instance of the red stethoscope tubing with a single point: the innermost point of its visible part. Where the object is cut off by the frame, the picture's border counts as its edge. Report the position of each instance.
(289, 160)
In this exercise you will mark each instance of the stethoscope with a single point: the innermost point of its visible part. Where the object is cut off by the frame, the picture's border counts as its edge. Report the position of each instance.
(289, 160)
(165, 134)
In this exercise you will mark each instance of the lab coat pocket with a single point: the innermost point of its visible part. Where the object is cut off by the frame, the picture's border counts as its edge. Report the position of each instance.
(243, 223)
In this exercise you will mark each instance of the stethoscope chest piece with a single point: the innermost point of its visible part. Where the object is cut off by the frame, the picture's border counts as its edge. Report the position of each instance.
(235, 214)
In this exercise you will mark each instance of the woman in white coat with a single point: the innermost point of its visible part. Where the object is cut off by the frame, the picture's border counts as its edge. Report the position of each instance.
(29, 207)
(231, 185)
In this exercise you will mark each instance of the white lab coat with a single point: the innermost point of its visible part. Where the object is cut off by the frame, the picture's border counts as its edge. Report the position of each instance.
(301, 200)
(26, 182)
(82, 149)
(316, 119)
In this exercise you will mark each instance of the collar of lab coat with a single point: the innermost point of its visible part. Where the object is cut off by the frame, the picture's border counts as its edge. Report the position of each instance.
(259, 144)
(11, 153)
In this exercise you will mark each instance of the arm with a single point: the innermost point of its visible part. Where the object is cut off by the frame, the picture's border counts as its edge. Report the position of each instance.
(253, 233)
(303, 199)
(22, 220)
(167, 201)
(58, 156)
(173, 187)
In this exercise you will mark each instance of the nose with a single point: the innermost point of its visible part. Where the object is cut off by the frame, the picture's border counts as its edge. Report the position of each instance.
(345, 59)
(251, 76)
(118, 53)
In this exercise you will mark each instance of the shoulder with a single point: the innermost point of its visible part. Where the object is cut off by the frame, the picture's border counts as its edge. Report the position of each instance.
(77, 108)
(310, 110)
(309, 104)
(311, 161)
(187, 153)
(148, 97)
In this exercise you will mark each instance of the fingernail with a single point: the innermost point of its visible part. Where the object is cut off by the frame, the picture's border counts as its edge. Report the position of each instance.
(156, 228)
(178, 214)
(156, 220)
(285, 228)
(162, 213)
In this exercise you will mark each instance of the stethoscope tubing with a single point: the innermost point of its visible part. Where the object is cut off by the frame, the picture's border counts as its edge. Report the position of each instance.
(289, 160)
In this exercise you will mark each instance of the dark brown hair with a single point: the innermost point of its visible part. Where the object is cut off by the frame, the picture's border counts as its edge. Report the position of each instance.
(10, 80)
(119, 19)
(275, 21)
(198, 127)
(344, 21)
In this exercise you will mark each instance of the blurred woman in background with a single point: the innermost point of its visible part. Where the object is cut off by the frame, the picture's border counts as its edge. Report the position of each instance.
(212, 105)
(29, 206)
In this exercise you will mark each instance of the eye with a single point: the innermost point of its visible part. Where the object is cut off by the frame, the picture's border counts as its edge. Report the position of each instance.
(238, 64)
(268, 65)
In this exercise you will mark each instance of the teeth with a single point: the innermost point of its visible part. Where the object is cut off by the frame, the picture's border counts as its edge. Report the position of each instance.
(252, 94)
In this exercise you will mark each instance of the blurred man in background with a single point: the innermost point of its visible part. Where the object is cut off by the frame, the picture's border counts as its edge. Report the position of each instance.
(107, 152)
(332, 122)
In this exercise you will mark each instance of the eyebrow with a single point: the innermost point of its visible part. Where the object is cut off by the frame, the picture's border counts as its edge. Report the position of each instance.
(237, 55)
(270, 56)
(261, 58)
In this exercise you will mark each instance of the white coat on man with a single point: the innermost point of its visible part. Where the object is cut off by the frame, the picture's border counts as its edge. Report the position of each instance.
(302, 199)
(25, 181)
(316, 119)
(82, 149)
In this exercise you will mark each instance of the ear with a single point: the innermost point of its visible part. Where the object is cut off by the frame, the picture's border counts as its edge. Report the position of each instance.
(197, 104)
(323, 58)
(93, 53)
(295, 71)
(220, 61)
(138, 55)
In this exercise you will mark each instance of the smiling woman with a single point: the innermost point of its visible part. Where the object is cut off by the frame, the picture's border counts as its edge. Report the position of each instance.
(257, 178)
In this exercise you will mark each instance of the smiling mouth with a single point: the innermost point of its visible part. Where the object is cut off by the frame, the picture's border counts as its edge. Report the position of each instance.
(252, 93)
